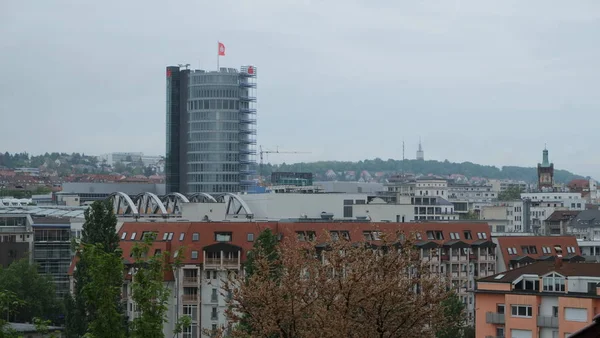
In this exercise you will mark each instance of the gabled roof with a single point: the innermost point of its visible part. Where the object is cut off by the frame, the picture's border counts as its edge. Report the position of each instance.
(566, 269)
(456, 244)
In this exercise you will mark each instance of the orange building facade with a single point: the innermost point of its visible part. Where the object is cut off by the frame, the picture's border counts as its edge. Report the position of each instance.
(544, 299)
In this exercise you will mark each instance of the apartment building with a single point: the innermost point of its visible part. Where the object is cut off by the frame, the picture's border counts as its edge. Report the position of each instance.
(547, 299)
(517, 251)
(16, 237)
(460, 252)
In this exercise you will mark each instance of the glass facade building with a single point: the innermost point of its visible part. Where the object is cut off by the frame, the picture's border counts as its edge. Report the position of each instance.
(211, 130)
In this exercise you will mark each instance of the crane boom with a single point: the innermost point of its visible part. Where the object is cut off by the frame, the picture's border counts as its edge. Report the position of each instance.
(262, 152)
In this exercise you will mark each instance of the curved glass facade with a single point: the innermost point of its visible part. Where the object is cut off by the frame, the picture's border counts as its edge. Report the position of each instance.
(220, 132)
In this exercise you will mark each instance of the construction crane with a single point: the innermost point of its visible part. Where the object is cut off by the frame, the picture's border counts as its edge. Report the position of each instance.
(262, 152)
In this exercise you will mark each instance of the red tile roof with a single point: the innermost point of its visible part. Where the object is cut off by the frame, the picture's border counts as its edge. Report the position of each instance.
(240, 231)
(566, 269)
(517, 242)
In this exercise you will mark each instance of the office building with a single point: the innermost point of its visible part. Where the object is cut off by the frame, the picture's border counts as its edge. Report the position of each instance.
(211, 130)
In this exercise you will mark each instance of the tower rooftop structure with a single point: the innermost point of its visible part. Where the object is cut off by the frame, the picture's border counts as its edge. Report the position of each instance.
(420, 152)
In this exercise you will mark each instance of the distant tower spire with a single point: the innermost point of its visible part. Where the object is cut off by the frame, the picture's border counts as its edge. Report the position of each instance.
(420, 153)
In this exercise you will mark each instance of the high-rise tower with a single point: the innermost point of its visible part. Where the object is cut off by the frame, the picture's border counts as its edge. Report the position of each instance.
(420, 153)
(211, 130)
(545, 173)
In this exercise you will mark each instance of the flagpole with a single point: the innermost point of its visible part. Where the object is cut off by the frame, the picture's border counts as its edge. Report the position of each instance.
(218, 55)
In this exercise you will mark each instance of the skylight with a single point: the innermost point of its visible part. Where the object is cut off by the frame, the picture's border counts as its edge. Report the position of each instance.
(500, 276)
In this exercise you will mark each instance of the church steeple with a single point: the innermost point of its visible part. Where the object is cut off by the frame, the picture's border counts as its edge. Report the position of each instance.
(545, 173)
(545, 161)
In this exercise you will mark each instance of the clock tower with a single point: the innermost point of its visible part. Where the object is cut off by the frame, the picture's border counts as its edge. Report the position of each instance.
(545, 173)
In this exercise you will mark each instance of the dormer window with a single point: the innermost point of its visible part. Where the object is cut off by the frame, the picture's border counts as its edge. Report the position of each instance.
(554, 283)
(223, 236)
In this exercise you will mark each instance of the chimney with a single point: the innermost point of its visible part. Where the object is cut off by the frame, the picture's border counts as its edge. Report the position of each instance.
(558, 261)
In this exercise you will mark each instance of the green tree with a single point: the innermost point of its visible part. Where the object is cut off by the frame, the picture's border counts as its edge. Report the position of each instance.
(453, 322)
(510, 194)
(264, 246)
(103, 291)
(99, 230)
(149, 291)
(35, 290)
(9, 303)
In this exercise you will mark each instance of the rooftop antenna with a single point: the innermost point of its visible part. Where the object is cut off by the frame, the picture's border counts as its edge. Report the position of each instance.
(402, 167)
(187, 65)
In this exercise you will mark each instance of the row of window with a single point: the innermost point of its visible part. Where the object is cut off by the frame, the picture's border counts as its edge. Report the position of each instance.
(167, 236)
(213, 178)
(210, 188)
(532, 249)
(526, 311)
(214, 115)
(213, 157)
(214, 104)
(213, 167)
(439, 235)
(214, 126)
(213, 136)
(202, 78)
(213, 146)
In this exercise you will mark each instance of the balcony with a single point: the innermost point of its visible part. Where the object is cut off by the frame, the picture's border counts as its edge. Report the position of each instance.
(190, 298)
(221, 263)
(547, 321)
(190, 280)
(494, 318)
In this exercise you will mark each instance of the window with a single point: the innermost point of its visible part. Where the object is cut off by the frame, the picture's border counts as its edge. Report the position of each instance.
(554, 283)
(467, 235)
(213, 314)
(300, 235)
(250, 237)
(311, 235)
(454, 235)
(522, 311)
(223, 236)
(546, 249)
(195, 237)
(214, 296)
(124, 235)
(500, 308)
(146, 234)
(555, 311)
(576, 314)
(372, 235)
(571, 249)
(334, 235)
(430, 235)
(181, 236)
(345, 235)
(194, 254)
(170, 236)
(511, 251)
(558, 249)
(157, 252)
(133, 236)
(165, 236)
(532, 250)
(525, 250)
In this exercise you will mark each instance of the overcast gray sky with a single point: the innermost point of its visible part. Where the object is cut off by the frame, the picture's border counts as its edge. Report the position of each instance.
(482, 81)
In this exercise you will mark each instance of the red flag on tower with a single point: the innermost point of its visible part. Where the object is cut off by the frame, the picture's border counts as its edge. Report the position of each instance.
(221, 49)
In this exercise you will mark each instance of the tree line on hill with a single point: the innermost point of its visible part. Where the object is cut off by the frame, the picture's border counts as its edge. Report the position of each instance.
(441, 168)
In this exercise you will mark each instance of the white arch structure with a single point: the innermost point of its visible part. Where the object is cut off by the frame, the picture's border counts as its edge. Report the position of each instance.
(150, 204)
(235, 205)
(123, 204)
